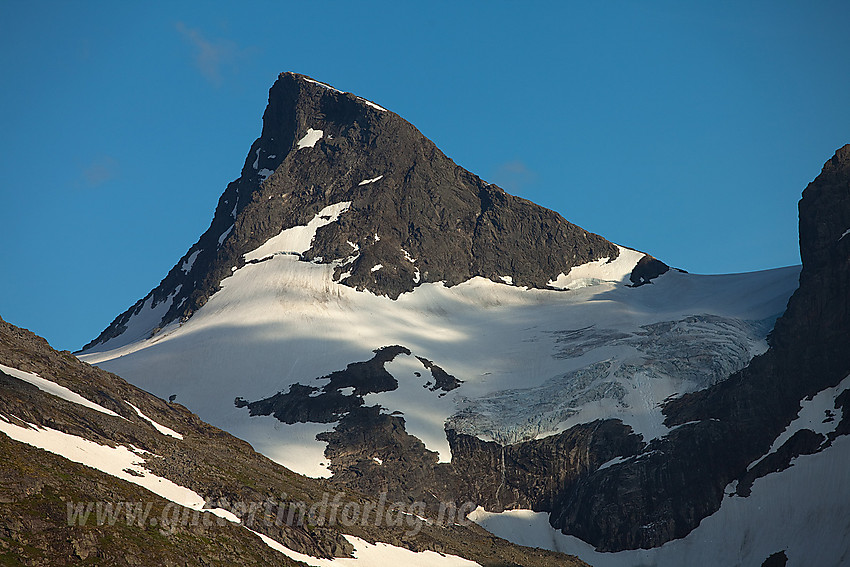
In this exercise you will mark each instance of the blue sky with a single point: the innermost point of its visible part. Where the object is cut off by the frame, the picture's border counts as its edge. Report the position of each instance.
(684, 129)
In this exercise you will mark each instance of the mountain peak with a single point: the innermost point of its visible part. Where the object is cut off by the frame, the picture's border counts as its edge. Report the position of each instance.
(414, 216)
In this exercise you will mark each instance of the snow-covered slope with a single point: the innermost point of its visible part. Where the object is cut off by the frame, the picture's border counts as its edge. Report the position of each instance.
(531, 362)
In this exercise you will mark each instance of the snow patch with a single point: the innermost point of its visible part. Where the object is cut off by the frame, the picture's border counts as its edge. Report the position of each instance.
(507, 279)
(161, 428)
(813, 415)
(368, 181)
(301, 452)
(55, 389)
(323, 85)
(523, 527)
(372, 104)
(612, 462)
(298, 239)
(224, 235)
(114, 461)
(310, 138)
(373, 555)
(187, 264)
(257, 160)
(599, 271)
(264, 174)
(376, 267)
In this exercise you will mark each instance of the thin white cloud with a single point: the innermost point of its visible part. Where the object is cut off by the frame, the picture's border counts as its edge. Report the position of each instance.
(212, 56)
(101, 170)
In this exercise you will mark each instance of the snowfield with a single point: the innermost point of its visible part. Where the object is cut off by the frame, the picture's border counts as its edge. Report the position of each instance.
(532, 362)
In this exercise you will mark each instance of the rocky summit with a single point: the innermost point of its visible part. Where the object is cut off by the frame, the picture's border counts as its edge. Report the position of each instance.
(365, 312)
(412, 211)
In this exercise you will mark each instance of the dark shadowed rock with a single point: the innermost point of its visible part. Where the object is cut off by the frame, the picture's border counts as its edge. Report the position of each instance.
(646, 270)
(305, 404)
(778, 559)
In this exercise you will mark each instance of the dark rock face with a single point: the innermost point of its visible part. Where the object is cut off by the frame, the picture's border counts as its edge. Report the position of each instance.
(307, 404)
(646, 270)
(679, 479)
(536, 474)
(803, 442)
(371, 452)
(434, 221)
(442, 379)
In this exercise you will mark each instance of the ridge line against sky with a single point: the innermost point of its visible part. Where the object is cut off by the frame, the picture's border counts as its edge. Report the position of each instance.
(687, 132)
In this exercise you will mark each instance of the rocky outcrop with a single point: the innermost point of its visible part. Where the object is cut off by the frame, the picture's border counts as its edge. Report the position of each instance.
(646, 270)
(535, 474)
(413, 210)
(305, 404)
(371, 452)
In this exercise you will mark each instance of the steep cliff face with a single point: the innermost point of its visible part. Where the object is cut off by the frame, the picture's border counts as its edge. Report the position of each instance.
(531, 475)
(680, 479)
(413, 211)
